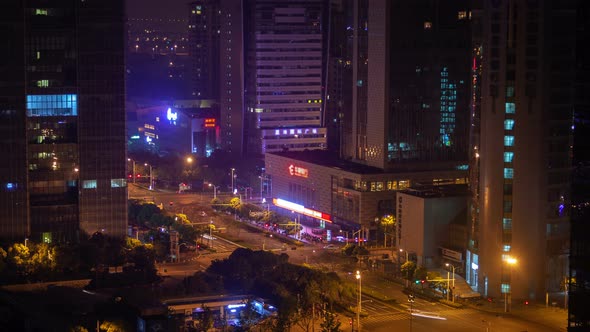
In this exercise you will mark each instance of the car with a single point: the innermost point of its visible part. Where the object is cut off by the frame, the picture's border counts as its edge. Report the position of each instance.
(331, 247)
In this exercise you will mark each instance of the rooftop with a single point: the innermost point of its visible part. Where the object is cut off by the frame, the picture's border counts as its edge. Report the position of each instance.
(330, 159)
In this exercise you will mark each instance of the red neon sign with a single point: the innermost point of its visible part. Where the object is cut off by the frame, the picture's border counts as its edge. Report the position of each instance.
(298, 171)
(210, 123)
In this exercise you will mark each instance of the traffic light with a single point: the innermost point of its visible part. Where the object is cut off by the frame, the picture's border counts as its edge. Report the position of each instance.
(422, 281)
(417, 282)
(526, 302)
(350, 322)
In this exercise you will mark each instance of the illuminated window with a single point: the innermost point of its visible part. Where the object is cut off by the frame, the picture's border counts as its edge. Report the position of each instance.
(427, 25)
(403, 184)
(508, 156)
(43, 83)
(40, 11)
(510, 108)
(52, 105)
(89, 184)
(508, 124)
(509, 91)
(118, 183)
(508, 173)
(507, 248)
(507, 224)
(508, 140)
(462, 15)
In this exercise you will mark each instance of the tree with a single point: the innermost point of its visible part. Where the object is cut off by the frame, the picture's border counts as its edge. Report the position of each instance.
(3, 255)
(205, 318)
(408, 269)
(387, 227)
(330, 323)
(109, 326)
(78, 328)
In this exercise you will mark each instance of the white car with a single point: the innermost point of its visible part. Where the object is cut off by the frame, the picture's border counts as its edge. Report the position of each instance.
(331, 247)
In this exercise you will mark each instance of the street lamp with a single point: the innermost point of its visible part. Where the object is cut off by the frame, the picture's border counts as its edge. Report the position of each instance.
(261, 186)
(232, 179)
(133, 171)
(358, 309)
(400, 266)
(345, 232)
(510, 261)
(210, 237)
(151, 179)
(450, 265)
(214, 190)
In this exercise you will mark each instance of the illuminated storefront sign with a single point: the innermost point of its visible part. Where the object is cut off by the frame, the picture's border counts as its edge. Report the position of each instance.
(301, 209)
(210, 123)
(171, 116)
(298, 171)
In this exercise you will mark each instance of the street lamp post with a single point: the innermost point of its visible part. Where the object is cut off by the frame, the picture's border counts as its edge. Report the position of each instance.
(400, 267)
(450, 265)
(510, 261)
(345, 232)
(210, 237)
(214, 190)
(358, 309)
(232, 179)
(133, 168)
(151, 179)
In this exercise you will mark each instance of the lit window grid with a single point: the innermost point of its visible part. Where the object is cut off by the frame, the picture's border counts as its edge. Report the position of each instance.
(448, 105)
(52, 105)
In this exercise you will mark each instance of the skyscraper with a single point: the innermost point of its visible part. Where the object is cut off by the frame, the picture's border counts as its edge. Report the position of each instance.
(63, 111)
(284, 76)
(216, 52)
(578, 285)
(410, 93)
(521, 237)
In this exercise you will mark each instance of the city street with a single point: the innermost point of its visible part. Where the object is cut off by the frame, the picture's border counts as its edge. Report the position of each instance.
(381, 316)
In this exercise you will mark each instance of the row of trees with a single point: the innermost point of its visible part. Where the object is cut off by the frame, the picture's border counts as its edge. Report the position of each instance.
(301, 293)
(92, 256)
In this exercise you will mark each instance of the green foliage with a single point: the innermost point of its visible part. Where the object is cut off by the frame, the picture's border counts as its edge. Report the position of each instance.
(109, 326)
(354, 250)
(330, 323)
(78, 328)
(421, 273)
(295, 289)
(408, 269)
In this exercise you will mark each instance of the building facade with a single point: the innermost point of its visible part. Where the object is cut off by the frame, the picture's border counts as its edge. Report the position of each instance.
(285, 71)
(410, 78)
(216, 52)
(63, 110)
(521, 238)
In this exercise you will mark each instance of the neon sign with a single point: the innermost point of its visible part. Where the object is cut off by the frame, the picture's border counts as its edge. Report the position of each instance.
(171, 116)
(210, 123)
(301, 209)
(298, 171)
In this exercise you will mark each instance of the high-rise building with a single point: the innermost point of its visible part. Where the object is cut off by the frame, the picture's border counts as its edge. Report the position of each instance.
(521, 237)
(216, 52)
(578, 285)
(62, 106)
(284, 73)
(411, 74)
(338, 103)
(407, 67)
